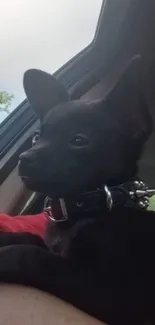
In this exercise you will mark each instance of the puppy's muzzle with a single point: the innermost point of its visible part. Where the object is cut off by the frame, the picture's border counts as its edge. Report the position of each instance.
(26, 158)
(26, 164)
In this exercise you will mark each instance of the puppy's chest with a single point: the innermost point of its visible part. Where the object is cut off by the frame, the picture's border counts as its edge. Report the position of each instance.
(57, 239)
(75, 242)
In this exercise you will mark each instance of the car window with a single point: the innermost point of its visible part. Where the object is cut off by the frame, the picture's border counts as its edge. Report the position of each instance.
(40, 34)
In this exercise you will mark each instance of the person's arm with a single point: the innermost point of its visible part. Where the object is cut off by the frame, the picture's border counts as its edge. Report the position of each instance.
(27, 306)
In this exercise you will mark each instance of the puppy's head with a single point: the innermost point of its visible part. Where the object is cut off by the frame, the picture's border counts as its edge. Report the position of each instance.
(84, 144)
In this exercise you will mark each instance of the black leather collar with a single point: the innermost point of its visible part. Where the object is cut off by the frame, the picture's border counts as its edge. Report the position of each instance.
(95, 203)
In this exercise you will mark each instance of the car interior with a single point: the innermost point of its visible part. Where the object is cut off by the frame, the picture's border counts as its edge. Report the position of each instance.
(125, 28)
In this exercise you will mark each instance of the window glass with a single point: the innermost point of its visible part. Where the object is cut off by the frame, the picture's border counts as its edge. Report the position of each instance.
(42, 34)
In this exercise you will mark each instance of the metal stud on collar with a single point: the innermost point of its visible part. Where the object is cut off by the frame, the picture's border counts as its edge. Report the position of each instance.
(141, 193)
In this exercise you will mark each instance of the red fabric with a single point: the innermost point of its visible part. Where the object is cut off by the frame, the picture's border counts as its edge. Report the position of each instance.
(34, 224)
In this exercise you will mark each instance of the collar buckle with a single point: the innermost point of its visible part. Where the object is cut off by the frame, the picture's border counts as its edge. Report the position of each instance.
(109, 199)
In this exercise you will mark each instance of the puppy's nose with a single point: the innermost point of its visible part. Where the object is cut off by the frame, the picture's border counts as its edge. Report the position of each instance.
(26, 158)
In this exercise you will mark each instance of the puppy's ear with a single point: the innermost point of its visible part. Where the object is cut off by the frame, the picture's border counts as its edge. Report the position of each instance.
(127, 102)
(43, 91)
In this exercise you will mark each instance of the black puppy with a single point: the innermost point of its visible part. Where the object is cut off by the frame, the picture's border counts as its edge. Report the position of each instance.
(102, 263)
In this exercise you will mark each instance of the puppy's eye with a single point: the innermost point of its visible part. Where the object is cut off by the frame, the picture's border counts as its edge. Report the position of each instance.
(35, 138)
(79, 141)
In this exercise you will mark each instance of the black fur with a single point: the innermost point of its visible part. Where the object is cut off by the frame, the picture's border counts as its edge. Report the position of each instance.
(105, 266)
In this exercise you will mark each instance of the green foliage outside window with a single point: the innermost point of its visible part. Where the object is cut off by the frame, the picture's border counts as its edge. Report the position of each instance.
(5, 101)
